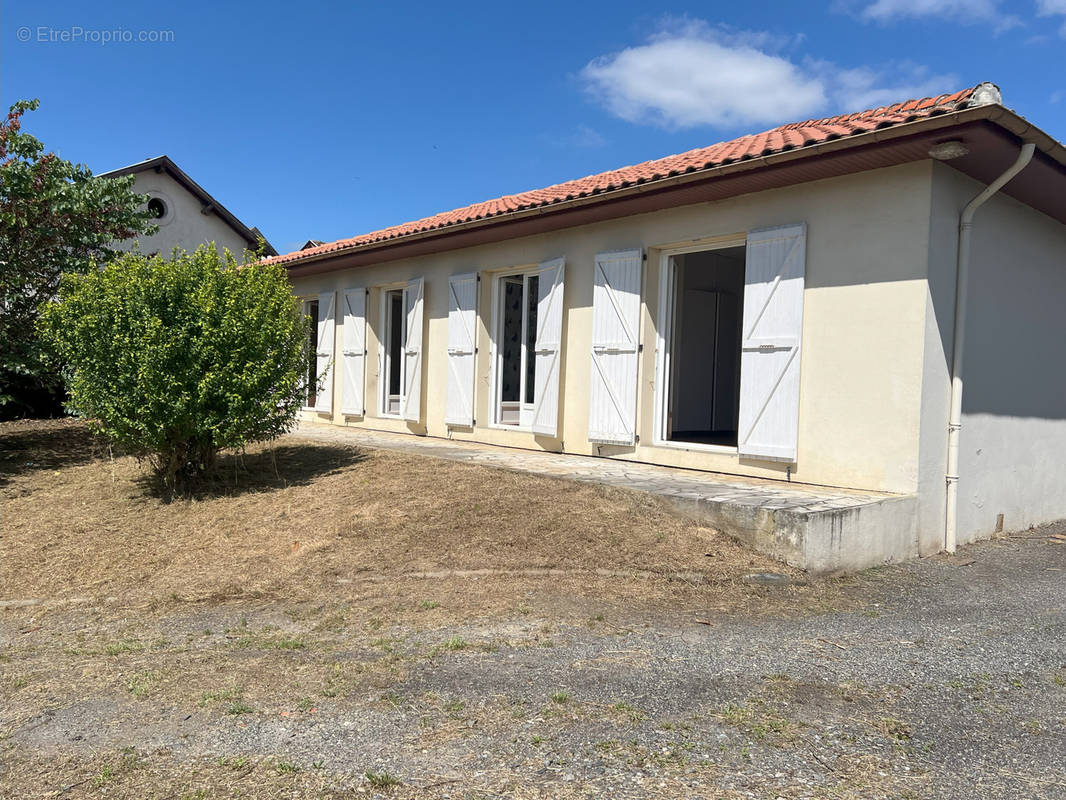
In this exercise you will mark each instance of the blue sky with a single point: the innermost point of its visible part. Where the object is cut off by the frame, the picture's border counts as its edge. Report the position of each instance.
(324, 120)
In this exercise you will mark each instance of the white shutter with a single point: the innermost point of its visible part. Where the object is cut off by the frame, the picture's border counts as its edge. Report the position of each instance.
(615, 339)
(770, 348)
(412, 359)
(353, 352)
(324, 361)
(546, 347)
(462, 319)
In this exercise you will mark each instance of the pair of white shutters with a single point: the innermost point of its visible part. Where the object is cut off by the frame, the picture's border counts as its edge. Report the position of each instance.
(353, 352)
(462, 322)
(770, 346)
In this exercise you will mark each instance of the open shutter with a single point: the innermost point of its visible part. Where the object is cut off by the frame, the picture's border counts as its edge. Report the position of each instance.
(546, 347)
(615, 333)
(324, 360)
(462, 318)
(412, 360)
(770, 349)
(353, 352)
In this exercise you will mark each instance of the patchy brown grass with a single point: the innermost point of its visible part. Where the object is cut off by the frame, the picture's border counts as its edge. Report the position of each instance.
(314, 522)
(307, 586)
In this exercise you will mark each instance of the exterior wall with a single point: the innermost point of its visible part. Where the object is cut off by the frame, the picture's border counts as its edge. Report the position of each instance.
(863, 330)
(1014, 403)
(184, 225)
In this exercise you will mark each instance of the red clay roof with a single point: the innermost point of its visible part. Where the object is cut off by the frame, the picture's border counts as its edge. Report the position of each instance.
(786, 137)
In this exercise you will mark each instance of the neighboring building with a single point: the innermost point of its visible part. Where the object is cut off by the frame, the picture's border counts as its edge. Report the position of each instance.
(187, 215)
(780, 306)
(311, 243)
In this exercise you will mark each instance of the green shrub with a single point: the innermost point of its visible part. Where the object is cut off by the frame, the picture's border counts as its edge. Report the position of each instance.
(177, 359)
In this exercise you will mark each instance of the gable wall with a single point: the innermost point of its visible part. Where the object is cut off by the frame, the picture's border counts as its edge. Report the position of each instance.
(184, 226)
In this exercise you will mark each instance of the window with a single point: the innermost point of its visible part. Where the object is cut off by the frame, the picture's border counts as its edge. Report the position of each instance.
(395, 327)
(703, 304)
(311, 310)
(516, 333)
(157, 208)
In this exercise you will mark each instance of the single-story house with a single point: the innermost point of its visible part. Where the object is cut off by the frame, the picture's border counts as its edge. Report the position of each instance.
(185, 215)
(805, 304)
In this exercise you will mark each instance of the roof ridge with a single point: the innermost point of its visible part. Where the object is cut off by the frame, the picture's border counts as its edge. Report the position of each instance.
(746, 147)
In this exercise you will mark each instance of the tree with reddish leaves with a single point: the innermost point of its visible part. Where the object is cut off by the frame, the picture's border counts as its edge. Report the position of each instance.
(55, 217)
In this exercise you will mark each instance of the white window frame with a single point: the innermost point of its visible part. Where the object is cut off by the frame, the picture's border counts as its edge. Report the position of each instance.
(496, 353)
(305, 303)
(383, 344)
(664, 340)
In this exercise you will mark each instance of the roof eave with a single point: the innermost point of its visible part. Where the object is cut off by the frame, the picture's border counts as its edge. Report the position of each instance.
(993, 113)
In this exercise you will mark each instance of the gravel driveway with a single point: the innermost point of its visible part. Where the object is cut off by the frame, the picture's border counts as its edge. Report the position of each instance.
(943, 678)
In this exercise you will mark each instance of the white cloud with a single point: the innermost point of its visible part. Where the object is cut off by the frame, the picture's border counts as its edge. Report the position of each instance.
(864, 87)
(967, 12)
(692, 75)
(696, 76)
(973, 10)
(1050, 8)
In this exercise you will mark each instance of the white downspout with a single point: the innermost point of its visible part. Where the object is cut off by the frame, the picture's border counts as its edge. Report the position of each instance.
(962, 278)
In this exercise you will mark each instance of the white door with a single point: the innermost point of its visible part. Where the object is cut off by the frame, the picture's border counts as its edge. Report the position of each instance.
(615, 342)
(324, 353)
(353, 353)
(770, 347)
(412, 360)
(546, 347)
(462, 321)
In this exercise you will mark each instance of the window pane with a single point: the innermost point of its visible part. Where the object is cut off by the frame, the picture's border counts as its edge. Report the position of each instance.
(312, 354)
(531, 335)
(396, 323)
(511, 346)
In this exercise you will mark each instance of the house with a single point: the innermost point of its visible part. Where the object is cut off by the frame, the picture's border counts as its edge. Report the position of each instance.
(781, 306)
(186, 215)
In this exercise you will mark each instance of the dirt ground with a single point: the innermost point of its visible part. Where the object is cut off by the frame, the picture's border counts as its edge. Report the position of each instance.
(329, 622)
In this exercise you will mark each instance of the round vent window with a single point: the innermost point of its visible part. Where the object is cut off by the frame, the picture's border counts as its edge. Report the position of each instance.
(157, 208)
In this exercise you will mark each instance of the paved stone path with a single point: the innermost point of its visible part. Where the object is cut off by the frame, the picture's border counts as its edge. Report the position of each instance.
(678, 484)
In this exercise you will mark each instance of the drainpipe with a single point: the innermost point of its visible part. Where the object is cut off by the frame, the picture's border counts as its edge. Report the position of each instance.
(962, 277)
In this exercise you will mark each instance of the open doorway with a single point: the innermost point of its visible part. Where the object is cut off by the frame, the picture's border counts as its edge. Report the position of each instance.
(702, 332)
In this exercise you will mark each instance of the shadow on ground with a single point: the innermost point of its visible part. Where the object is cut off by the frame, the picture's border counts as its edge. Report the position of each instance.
(264, 470)
(28, 446)
(34, 446)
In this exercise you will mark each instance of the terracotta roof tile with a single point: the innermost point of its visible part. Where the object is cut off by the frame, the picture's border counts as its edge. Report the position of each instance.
(785, 137)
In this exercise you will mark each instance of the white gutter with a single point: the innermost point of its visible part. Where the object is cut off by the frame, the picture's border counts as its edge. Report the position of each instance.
(962, 279)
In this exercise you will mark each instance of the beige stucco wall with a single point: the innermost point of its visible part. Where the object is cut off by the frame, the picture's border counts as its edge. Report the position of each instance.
(184, 225)
(1014, 403)
(865, 309)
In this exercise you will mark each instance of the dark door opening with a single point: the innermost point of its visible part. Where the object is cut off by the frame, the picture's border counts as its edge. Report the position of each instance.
(704, 379)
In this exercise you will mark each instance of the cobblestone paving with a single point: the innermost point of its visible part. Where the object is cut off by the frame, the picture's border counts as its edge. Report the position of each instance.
(680, 484)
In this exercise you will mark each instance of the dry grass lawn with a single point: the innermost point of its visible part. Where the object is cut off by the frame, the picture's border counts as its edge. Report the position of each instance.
(305, 522)
(301, 590)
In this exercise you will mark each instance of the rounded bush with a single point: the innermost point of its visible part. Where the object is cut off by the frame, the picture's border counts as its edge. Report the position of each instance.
(177, 359)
